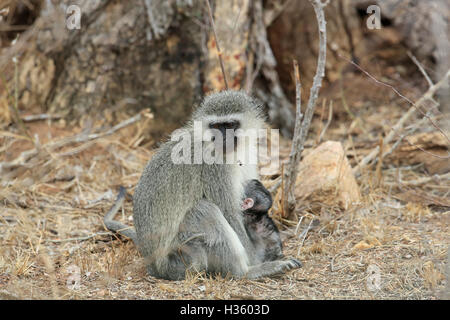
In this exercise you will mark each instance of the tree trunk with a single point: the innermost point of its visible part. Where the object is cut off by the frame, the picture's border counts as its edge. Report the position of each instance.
(138, 54)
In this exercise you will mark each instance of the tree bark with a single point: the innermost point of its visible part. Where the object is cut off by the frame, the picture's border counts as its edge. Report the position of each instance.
(134, 54)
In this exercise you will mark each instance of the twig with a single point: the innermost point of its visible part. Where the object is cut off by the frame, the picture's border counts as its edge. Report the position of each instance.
(417, 63)
(304, 234)
(298, 225)
(378, 172)
(415, 105)
(157, 31)
(290, 174)
(301, 130)
(431, 91)
(81, 238)
(332, 263)
(25, 156)
(330, 117)
(276, 184)
(43, 116)
(219, 52)
(397, 143)
(423, 180)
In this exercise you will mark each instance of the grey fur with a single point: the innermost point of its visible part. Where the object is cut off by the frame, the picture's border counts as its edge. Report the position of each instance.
(260, 227)
(188, 216)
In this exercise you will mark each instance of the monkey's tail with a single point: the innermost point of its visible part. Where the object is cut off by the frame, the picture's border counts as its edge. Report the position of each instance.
(116, 226)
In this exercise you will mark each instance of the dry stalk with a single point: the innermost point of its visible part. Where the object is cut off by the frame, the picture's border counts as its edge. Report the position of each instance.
(302, 124)
(290, 174)
(42, 116)
(421, 69)
(219, 52)
(330, 117)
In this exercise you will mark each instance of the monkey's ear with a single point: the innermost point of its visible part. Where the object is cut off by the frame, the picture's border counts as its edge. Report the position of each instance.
(247, 203)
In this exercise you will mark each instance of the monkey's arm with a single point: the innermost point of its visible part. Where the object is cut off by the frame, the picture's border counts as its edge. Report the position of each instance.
(117, 226)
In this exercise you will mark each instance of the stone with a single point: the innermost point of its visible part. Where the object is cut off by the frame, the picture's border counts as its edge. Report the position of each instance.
(325, 175)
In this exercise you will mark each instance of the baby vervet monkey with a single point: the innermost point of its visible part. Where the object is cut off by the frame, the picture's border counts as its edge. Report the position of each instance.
(260, 227)
(187, 214)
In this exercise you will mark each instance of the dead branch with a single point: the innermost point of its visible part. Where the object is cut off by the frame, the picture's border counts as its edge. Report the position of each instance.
(81, 238)
(330, 117)
(400, 123)
(314, 223)
(219, 52)
(27, 155)
(43, 116)
(290, 175)
(415, 105)
(420, 67)
(302, 124)
(421, 181)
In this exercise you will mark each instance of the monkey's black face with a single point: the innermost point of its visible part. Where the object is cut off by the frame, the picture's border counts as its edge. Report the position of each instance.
(227, 130)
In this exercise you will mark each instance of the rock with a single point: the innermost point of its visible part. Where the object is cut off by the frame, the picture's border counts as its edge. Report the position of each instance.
(326, 176)
(411, 151)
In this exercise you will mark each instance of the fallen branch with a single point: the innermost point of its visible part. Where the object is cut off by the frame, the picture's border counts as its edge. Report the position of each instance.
(43, 116)
(302, 124)
(415, 105)
(420, 67)
(400, 123)
(314, 223)
(27, 155)
(81, 238)
(421, 181)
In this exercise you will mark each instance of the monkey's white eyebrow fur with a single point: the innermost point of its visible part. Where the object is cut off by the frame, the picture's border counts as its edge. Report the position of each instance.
(219, 119)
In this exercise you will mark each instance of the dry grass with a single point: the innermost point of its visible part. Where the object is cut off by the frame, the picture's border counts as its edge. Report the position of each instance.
(61, 195)
(407, 242)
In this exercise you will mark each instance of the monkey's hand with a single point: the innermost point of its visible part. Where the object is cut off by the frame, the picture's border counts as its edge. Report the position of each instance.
(289, 264)
(272, 268)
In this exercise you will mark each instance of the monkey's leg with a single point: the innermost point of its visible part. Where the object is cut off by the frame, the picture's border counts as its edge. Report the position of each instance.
(205, 242)
(188, 257)
(225, 253)
(116, 226)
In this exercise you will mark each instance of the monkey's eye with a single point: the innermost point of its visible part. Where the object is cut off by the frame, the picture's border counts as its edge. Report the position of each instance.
(222, 126)
(231, 125)
(215, 126)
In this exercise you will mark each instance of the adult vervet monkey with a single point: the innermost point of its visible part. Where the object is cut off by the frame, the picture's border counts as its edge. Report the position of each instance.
(188, 216)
